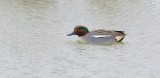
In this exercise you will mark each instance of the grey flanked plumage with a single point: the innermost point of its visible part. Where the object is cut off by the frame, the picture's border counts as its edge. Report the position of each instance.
(98, 36)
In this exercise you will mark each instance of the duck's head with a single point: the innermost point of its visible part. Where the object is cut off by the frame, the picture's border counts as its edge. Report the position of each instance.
(79, 31)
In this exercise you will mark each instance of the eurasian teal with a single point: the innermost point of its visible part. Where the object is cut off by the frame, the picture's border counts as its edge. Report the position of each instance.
(100, 36)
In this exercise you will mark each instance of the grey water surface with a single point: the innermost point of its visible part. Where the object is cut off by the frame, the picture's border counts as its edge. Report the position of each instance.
(33, 41)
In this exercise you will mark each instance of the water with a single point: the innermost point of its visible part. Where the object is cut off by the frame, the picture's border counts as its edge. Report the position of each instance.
(33, 41)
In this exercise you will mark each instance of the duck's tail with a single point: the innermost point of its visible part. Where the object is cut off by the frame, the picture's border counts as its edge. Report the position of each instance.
(120, 37)
(121, 32)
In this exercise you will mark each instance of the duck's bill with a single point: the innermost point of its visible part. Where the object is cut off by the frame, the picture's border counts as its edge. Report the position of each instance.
(71, 34)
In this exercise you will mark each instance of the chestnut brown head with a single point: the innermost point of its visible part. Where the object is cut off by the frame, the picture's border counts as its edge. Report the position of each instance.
(79, 30)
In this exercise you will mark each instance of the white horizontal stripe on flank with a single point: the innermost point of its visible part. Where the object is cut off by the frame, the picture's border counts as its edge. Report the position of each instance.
(101, 35)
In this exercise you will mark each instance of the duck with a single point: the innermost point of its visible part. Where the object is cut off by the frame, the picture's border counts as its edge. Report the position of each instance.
(100, 36)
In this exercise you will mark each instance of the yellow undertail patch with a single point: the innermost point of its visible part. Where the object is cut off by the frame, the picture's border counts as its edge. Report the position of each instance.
(119, 38)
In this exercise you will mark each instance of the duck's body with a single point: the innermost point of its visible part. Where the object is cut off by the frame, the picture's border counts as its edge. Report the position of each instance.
(98, 36)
